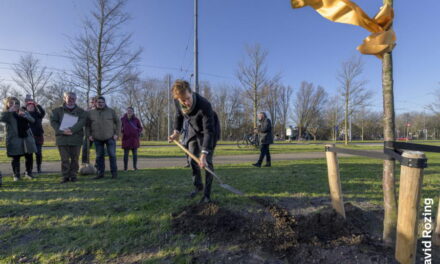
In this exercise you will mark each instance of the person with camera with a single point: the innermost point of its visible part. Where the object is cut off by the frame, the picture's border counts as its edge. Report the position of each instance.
(131, 129)
(19, 139)
(38, 113)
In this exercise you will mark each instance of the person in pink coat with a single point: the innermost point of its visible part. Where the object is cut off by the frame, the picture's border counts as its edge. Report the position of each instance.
(131, 129)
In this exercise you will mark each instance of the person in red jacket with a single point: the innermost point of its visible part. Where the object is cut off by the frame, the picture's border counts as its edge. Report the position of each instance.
(131, 129)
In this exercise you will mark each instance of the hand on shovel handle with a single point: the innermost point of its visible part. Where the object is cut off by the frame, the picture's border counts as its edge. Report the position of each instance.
(202, 157)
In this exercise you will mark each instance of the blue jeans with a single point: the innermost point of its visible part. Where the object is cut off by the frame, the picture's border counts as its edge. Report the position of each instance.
(100, 153)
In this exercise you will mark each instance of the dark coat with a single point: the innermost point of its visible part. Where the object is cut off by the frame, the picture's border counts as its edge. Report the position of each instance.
(131, 130)
(201, 123)
(78, 129)
(15, 145)
(265, 131)
(37, 126)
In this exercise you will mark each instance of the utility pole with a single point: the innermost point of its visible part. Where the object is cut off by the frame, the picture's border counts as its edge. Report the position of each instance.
(196, 45)
(168, 104)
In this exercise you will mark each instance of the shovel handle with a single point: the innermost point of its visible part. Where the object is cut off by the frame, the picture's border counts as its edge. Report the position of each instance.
(196, 159)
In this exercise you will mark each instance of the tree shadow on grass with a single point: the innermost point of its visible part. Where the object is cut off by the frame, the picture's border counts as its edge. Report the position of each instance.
(131, 215)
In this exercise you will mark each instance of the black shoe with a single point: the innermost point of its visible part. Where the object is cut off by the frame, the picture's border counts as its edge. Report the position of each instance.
(268, 165)
(187, 166)
(194, 193)
(28, 175)
(258, 165)
(38, 168)
(114, 175)
(73, 179)
(205, 199)
(64, 180)
(97, 177)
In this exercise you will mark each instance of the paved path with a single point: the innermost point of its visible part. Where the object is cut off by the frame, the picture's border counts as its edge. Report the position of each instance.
(143, 163)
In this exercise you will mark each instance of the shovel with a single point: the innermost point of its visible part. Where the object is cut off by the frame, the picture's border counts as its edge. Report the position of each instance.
(223, 185)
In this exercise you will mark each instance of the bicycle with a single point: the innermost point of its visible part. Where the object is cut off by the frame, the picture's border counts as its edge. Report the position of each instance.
(248, 141)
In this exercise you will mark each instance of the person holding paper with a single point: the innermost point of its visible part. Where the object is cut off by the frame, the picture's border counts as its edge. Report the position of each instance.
(68, 122)
(104, 126)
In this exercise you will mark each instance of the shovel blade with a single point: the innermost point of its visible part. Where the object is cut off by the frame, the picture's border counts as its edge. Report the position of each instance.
(231, 189)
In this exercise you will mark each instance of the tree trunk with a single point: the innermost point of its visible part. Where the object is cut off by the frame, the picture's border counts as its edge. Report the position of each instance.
(347, 96)
(98, 55)
(390, 202)
(255, 105)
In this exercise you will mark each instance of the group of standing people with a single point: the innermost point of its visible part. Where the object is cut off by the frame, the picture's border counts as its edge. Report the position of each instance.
(100, 126)
(25, 135)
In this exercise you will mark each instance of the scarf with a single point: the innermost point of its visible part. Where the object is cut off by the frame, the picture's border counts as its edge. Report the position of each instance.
(187, 110)
(22, 126)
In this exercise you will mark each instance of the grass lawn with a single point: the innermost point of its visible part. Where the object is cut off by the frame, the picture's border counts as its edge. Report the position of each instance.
(166, 151)
(128, 219)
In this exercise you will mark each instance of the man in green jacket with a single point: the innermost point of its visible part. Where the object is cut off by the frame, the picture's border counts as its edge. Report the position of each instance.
(103, 126)
(68, 122)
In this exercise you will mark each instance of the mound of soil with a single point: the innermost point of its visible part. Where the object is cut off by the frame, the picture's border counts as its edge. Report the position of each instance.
(277, 236)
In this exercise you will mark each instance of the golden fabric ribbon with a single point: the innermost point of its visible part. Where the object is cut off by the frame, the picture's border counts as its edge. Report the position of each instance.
(382, 39)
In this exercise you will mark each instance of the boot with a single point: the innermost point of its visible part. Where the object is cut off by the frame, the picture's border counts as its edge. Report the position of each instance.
(16, 170)
(98, 175)
(114, 175)
(38, 159)
(125, 164)
(64, 180)
(135, 162)
(258, 165)
(29, 162)
(28, 175)
(195, 192)
(205, 199)
(268, 164)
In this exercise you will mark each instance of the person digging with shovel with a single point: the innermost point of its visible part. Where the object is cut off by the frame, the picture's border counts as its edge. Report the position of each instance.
(203, 133)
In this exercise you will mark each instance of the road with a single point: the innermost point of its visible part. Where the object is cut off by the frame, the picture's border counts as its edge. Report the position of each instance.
(154, 163)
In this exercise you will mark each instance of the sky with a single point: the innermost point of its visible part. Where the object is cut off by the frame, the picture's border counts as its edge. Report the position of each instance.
(301, 45)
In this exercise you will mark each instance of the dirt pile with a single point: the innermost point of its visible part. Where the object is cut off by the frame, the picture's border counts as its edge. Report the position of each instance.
(318, 237)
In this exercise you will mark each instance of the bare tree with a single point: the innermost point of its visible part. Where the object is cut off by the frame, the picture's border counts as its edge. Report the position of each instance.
(435, 105)
(31, 76)
(308, 104)
(270, 99)
(252, 75)
(81, 55)
(53, 93)
(334, 116)
(5, 91)
(284, 102)
(353, 90)
(101, 56)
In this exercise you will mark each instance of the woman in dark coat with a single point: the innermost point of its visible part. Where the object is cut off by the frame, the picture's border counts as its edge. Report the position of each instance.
(38, 113)
(19, 138)
(131, 129)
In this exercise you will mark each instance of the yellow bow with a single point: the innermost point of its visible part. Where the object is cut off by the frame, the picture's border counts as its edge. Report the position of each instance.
(382, 39)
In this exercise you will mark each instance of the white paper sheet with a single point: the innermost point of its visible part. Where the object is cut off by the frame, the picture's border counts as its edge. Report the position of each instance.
(68, 121)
